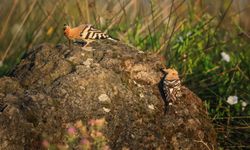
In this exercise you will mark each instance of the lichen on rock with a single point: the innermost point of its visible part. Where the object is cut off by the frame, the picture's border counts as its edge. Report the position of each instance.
(53, 86)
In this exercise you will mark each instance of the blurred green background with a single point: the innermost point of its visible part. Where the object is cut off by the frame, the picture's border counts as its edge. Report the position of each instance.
(207, 41)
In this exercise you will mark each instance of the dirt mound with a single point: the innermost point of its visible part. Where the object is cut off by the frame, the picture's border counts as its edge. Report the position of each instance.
(53, 86)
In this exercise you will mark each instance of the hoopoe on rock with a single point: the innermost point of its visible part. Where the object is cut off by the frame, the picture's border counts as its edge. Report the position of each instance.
(85, 32)
(171, 85)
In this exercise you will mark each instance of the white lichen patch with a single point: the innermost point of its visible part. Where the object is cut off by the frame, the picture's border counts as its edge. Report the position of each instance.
(104, 98)
(88, 62)
(106, 109)
(139, 85)
(141, 95)
(152, 107)
(82, 87)
(132, 136)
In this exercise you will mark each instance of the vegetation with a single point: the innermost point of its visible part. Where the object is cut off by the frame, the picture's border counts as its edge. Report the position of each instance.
(80, 136)
(210, 50)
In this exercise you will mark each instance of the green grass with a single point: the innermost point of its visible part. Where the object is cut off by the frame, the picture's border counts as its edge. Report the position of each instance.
(190, 39)
(196, 52)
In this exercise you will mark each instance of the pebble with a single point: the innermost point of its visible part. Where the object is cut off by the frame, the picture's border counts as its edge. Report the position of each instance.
(104, 98)
(151, 107)
(106, 109)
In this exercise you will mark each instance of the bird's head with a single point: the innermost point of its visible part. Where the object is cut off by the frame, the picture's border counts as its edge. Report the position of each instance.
(171, 74)
(66, 30)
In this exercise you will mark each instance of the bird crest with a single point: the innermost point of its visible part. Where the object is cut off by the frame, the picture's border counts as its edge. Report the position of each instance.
(171, 74)
(66, 29)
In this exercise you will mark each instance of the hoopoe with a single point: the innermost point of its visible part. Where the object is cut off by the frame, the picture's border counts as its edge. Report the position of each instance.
(171, 85)
(84, 32)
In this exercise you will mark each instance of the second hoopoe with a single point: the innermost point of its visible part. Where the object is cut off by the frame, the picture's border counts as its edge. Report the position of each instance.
(84, 32)
(171, 85)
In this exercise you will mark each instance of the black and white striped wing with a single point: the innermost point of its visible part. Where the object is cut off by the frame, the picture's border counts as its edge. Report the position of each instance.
(166, 90)
(172, 90)
(89, 32)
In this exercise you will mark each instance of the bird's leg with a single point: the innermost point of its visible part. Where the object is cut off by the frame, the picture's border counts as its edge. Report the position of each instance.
(70, 44)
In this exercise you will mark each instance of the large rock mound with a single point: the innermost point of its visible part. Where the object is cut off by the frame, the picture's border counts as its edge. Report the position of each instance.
(53, 86)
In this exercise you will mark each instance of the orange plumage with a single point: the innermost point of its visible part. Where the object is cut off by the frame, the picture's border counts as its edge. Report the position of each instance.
(84, 32)
(73, 33)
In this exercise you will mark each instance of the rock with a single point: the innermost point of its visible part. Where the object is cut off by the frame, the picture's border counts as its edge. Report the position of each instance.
(53, 86)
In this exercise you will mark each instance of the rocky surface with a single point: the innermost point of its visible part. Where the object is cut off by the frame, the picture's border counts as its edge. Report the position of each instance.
(53, 86)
